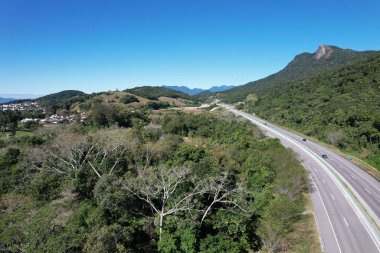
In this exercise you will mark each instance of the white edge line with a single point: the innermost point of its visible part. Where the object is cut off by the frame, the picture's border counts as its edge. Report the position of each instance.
(323, 163)
(316, 220)
(364, 178)
(328, 217)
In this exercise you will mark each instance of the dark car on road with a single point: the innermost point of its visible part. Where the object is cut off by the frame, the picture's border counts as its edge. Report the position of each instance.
(304, 139)
(324, 156)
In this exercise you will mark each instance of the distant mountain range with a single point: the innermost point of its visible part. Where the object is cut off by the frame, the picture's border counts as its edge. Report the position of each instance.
(194, 91)
(6, 100)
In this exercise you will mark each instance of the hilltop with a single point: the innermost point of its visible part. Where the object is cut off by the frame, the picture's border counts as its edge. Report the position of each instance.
(139, 97)
(196, 91)
(62, 98)
(154, 92)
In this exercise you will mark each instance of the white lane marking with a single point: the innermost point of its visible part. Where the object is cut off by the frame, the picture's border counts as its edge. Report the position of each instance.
(313, 155)
(328, 217)
(332, 196)
(367, 190)
(345, 221)
(341, 160)
(331, 172)
(323, 180)
(374, 239)
(377, 188)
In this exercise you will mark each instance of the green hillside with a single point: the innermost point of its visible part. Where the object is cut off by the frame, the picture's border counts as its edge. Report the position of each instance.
(303, 65)
(153, 93)
(63, 99)
(341, 106)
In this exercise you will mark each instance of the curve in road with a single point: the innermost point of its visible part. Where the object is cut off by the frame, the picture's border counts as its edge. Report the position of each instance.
(345, 198)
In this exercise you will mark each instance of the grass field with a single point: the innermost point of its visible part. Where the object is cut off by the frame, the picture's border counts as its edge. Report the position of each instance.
(19, 133)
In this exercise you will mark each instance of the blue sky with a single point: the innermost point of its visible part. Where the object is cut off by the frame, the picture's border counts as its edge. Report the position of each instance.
(53, 45)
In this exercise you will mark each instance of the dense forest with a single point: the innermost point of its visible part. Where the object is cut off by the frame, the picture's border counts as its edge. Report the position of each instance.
(302, 66)
(165, 181)
(62, 100)
(340, 107)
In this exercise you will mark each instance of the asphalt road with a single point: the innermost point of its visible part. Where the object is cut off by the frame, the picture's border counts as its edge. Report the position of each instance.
(346, 200)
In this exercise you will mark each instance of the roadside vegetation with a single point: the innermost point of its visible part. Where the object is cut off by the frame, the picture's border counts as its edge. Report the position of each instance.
(340, 107)
(150, 181)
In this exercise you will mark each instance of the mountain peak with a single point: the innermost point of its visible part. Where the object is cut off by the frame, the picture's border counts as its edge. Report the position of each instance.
(324, 51)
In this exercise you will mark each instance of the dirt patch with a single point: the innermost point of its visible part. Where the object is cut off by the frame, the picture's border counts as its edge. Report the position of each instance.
(175, 101)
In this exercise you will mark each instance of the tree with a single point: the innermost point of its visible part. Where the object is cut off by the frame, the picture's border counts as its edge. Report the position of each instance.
(69, 151)
(166, 190)
(9, 120)
(127, 99)
(111, 147)
(102, 115)
(270, 235)
(170, 190)
(222, 192)
(113, 238)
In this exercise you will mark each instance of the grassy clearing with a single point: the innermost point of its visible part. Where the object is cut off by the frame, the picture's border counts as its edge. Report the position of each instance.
(19, 133)
(175, 101)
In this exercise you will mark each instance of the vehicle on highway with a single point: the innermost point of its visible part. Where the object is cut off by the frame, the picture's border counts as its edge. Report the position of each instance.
(304, 139)
(324, 156)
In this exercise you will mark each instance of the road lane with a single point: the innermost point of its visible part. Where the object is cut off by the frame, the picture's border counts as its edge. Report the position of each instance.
(342, 225)
(367, 187)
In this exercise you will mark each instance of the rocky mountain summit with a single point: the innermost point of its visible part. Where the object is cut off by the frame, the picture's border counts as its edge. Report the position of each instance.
(323, 51)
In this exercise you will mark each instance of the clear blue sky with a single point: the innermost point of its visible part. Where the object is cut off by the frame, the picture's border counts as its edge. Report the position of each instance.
(48, 46)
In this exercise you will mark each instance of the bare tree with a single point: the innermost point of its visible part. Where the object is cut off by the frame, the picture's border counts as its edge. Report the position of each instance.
(334, 137)
(270, 236)
(221, 193)
(292, 186)
(170, 190)
(111, 146)
(51, 132)
(67, 151)
(101, 151)
(161, 188)
(70, 151)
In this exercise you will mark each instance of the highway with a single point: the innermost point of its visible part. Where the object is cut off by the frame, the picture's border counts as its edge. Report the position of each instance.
(346, 200)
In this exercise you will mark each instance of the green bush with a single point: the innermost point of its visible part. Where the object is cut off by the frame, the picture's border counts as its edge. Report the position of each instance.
(127, 99)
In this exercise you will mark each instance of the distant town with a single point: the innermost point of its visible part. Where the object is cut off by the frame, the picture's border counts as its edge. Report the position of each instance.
(35, 107)
(22, 106)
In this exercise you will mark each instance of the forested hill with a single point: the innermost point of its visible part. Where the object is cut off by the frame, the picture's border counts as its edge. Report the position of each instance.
(59, 99)
(341, 106)
(154, 92)
(303, 65)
